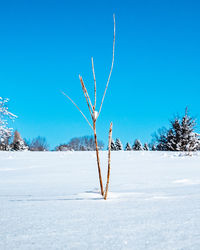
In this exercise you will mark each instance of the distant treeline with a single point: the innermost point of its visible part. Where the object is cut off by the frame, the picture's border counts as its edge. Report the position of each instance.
(180, 136)
(85, 143)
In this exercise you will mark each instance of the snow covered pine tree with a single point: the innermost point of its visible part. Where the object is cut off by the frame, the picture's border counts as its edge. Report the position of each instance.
(113, 148)
(181, 135)
(146, 147)
(127, 147)
(137, 145)
(5, 130)
(118, 144)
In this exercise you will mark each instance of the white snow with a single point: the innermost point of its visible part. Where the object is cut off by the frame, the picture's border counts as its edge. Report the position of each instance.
(95, 114)
(51, 200)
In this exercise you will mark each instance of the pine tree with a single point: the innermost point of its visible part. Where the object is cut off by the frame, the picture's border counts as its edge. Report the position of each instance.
(118, 144)
(113, 148)
(128, 147)
(190, 140)
(18, 143)
(146, 147)
(180, 136)
(137, 145)
(153, 148)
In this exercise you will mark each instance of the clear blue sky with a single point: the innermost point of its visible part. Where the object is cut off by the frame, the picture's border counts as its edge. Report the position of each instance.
(45, 45)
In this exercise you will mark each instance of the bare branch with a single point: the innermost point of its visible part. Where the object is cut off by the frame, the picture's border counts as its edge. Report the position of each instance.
(110, 69)
(86, 96)
(78, 109)
(95, 86)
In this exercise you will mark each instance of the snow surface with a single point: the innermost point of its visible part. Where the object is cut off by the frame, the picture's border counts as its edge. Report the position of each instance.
(50, 200)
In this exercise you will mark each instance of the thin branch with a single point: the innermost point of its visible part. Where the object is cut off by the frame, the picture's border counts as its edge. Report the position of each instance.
(95, 86)
(110, 69)
(86, 95)
(78, 109)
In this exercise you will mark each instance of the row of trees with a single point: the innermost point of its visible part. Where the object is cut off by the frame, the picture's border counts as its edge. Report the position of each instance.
(137, 146)
(180, 136)
(19, 144)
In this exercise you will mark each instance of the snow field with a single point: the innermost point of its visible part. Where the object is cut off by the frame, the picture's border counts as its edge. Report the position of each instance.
(51, 200)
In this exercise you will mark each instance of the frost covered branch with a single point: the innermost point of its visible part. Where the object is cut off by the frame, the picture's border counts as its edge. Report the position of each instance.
(5, 130)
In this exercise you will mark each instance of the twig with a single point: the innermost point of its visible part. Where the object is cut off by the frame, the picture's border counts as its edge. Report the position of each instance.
(98, 159)
(78, 109)
(109, 155)
(110, 69)
(95, 86)
(86, 95)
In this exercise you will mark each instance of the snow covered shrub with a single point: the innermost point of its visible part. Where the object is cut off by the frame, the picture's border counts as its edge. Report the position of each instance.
(63, 147)
(137, 145)
(18, 143)
(180, 136)
(5, 130)
(118, 144)
(127, 147)
(153, 148)
(146, 147)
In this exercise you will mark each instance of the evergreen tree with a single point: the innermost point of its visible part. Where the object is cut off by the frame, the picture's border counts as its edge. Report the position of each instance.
(113, 148)
(137, 145)
(118, 144)
(153, 148)
(146, 147)
(128, 147)
(180, 136)
(18, 143)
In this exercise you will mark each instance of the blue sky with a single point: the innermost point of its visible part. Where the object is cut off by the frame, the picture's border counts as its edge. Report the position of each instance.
(45, 45)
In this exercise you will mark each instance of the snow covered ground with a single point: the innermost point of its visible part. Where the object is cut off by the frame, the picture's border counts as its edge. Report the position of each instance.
(51, 201)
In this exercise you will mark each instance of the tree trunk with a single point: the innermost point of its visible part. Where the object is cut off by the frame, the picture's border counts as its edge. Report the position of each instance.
(98, 160)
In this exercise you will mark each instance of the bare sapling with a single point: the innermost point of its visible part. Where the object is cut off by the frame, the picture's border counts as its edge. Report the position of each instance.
(93, 112)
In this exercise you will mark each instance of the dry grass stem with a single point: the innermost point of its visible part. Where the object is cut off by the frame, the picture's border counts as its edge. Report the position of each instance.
(109, 159)
(78, 109)
(110, 69)
(94, 115)
(95, 86)
(86, 95)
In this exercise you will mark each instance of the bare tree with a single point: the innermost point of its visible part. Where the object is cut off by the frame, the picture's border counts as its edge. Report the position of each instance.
(39, 144)
(84, 143)
(93, 112)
